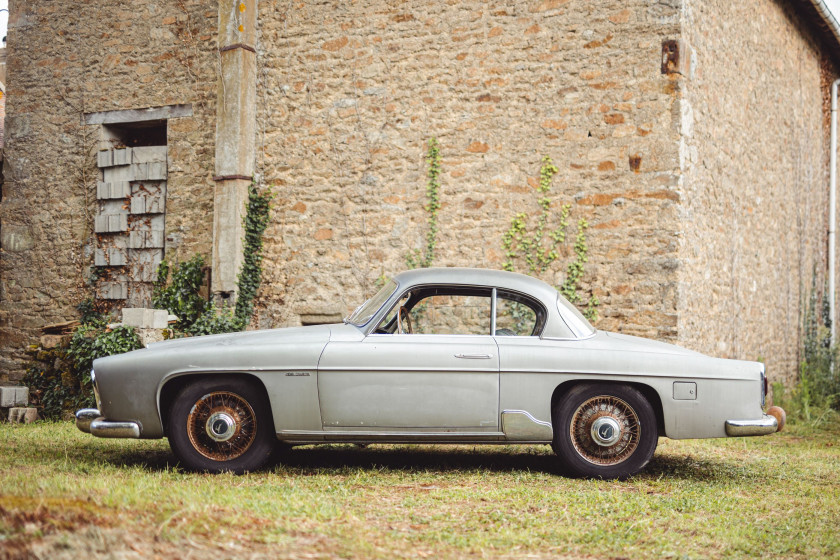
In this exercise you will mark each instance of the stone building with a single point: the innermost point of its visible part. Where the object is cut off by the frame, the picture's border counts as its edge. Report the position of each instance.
(691, 135)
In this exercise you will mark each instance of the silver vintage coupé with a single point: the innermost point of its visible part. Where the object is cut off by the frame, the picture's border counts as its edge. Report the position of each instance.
(442, 355)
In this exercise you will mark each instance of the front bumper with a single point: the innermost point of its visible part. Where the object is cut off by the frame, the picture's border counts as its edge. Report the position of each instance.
(90, 421)
(767, 424)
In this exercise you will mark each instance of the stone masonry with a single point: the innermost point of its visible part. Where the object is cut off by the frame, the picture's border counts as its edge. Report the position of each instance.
(704, 183)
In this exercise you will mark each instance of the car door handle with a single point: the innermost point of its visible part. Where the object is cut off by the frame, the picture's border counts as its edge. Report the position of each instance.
(474, 356)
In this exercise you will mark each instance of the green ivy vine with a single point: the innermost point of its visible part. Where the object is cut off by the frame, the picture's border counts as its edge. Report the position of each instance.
(250, 275)
(424, 259)
(179, 292)
(539, 249)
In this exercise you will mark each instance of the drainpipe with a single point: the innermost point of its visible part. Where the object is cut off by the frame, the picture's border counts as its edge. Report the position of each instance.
(832, 202)
(832, 212)
(834, 28)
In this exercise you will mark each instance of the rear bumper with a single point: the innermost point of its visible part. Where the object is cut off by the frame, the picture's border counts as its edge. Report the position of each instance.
(741, 428)
(90, 421)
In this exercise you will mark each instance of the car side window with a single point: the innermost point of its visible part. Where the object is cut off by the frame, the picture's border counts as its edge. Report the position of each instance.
(515, 316)
(451, 314)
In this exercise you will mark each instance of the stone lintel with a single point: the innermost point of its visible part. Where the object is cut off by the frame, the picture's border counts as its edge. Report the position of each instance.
(138, 115)
(229, 202)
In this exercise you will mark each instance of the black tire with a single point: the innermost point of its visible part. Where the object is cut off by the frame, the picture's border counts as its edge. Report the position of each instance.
(624, 437)
(220, 424)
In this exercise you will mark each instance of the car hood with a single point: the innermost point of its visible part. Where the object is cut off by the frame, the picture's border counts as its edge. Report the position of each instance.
(247, 338)
(627, 343)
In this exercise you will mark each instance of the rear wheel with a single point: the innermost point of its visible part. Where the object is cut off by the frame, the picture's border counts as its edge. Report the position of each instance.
(221, 424)
(604, 431)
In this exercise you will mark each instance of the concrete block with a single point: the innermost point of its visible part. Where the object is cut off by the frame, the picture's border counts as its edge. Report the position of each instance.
(105, 158)
(145, 318)
(14, 395)
(155, 239)
(122, 157)
(113, 290)
(156, 171)
(118, 222)
(110, 256)
(136, 239)
(134, 316)
(139, 171)
(120, 189)
(110, 223)
(138, 204)
(160, 318)
(155, 205)
(100, 224)
(148, 154)
(111, 190)
(20, 415)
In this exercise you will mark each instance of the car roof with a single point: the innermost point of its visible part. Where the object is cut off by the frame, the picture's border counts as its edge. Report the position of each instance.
(478, 277)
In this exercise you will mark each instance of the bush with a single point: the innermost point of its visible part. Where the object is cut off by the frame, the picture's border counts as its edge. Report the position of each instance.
(816, 395)
(180, 293)
(59, 378)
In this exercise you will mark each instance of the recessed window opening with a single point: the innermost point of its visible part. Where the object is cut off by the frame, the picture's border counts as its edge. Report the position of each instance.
(132, 135)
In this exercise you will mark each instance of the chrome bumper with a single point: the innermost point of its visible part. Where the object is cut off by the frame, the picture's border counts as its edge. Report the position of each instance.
(90, 421)
(765, 425)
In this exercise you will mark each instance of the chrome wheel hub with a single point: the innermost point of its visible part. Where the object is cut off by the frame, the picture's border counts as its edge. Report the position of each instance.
(605, 431)
(220, 426)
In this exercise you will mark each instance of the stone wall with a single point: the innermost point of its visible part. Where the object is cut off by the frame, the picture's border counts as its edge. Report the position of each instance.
(704, 193)
(755, 185)
(65, 60)
(349, 94)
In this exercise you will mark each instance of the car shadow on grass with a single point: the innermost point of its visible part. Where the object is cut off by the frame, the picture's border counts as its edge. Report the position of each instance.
(338, 458)
(308, 459)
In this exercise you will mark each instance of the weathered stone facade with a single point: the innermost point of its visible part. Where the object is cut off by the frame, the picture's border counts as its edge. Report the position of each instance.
(754, 160)
(704, 191)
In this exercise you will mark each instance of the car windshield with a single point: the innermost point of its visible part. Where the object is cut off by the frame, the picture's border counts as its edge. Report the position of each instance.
(368, 309)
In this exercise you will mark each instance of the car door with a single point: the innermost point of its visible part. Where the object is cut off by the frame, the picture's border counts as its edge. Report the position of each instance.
(442, 376)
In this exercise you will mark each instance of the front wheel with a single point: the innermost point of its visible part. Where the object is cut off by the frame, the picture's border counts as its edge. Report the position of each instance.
(604, 431)
(221, 424)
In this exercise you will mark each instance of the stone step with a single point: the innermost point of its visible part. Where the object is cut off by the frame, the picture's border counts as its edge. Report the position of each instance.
(23, 415)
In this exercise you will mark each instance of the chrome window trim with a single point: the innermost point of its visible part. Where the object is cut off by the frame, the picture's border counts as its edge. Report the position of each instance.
(493, 312)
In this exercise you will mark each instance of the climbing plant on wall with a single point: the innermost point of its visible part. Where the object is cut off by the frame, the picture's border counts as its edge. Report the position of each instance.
(179, 292)
(250, 275)
(534, 250)
(423, 259)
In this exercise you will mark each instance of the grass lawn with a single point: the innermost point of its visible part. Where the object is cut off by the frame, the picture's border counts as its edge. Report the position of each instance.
(65, 494)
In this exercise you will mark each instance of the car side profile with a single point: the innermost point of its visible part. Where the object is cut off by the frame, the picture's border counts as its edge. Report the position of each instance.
(441, 355)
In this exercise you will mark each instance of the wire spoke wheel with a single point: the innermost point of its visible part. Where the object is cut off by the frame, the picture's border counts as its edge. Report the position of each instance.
(605, 430)
(222, 426)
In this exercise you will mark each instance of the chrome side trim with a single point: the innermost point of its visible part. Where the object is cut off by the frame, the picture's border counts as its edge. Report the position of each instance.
(84, 417)
(742, 428)
(105, 429)
(350, 436)
(520, 425)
